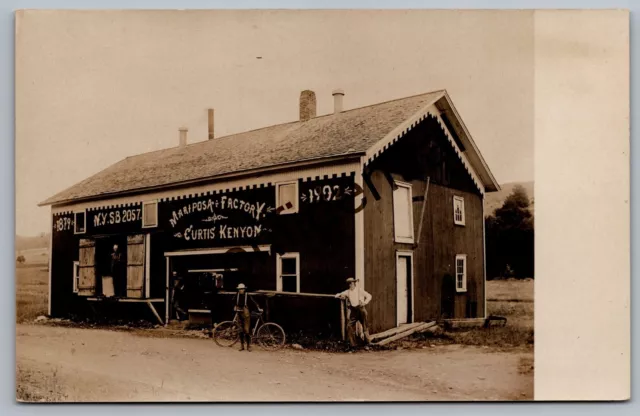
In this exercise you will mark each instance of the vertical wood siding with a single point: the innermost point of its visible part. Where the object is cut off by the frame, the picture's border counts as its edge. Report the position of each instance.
(423, 153)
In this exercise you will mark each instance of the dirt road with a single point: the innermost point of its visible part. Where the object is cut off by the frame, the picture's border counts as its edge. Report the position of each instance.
(69, 364)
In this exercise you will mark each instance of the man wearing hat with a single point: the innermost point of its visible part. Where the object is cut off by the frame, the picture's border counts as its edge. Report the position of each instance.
(356, 301)
(244, 315)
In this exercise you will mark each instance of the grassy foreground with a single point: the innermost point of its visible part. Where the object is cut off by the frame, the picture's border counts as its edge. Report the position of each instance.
(512, 299)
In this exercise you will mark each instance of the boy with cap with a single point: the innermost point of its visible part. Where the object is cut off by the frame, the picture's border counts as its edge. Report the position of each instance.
(356, 301)
(244, 315)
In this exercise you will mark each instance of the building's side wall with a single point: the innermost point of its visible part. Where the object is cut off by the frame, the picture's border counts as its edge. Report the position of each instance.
(64, 251)
(423, 153)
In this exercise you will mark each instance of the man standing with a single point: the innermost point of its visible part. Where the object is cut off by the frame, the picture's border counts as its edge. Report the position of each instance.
(356, 301)
(244, 315)
(177, 296)
(119, 280)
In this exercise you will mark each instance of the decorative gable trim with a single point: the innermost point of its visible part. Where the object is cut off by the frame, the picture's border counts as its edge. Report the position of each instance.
(407, 126)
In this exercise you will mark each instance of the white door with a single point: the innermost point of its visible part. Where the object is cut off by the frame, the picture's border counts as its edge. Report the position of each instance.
(402, 290)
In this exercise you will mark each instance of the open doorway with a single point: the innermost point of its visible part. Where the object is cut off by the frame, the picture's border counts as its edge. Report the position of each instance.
(109, 266)
(404, 287)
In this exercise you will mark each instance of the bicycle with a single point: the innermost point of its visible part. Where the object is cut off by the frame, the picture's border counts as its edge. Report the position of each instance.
(268, 335)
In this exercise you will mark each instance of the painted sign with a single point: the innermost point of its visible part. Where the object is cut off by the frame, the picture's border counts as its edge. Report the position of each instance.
(234, 218)
(326, 193)
(114, 220)
(63, 223)
(101, 219)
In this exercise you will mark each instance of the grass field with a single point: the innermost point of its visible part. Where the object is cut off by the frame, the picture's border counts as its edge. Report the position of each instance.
(512, 299)
(32, 292)
(33, 257)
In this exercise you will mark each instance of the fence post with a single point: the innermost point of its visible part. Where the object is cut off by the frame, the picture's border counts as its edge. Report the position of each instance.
(342, 319)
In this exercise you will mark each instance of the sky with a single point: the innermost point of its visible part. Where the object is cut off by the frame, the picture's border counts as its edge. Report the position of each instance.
(93, 87)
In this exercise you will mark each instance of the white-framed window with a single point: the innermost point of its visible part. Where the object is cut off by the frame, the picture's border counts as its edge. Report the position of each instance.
(402, 213)
(149, 214)
(288, 272)
(80, 222)
(76, 276)
(461, 273)
(287, 197)
(458, 210)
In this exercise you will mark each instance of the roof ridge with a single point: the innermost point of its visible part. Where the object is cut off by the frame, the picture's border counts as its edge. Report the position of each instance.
(201, 142)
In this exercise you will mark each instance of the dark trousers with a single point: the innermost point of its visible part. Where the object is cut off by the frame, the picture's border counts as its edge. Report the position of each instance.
(119, 284)
(244, 321)
(357, 314)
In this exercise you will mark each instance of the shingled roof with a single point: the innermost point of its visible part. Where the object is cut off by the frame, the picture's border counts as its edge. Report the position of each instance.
(345, 134)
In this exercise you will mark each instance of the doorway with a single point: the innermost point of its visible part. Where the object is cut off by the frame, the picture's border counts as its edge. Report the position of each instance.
(404, 287)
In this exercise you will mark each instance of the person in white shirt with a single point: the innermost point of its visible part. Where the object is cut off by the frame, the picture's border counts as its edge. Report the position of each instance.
(356, 301)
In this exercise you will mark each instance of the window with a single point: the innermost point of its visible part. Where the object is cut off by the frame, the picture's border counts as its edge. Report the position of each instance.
(80, 222)
(150, 214)
(402, 213)
(76, 276)
(458, 210)
(461, 273)
(288, 270)
(287, 197)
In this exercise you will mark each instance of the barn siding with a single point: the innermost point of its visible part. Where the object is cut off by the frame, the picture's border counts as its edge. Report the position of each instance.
(423, 153)
(323, 232)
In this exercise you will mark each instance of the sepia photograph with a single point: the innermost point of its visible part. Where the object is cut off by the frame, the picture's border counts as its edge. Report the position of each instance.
(274, 206)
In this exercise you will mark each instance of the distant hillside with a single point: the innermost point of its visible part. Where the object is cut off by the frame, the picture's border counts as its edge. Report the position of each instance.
(28, 243)
(494, 200)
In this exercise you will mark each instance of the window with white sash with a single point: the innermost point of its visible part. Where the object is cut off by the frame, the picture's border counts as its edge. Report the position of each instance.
(76, 276)
(402, 213)
(458, 210)
(287, 197)
(288, 272)
(461, 273)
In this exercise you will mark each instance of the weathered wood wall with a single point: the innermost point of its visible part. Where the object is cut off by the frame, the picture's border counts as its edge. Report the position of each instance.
(423, 153)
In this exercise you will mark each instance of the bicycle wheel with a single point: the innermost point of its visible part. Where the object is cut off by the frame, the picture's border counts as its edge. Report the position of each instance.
(226, 334)
(271, 336)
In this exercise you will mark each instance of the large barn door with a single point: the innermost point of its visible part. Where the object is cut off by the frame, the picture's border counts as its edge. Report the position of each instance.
(87, 266)
(135, 266)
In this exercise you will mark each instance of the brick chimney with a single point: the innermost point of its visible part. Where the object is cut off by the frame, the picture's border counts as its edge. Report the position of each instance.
(338, 95)
(210, 123)
(307, 105)
(183, 136)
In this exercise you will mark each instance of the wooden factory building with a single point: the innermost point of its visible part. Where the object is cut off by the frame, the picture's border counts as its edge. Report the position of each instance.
(391, 194)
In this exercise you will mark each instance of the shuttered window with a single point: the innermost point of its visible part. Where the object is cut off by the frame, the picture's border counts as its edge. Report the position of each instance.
(402, 213)
(87, 266)
(150, 214)
(135, 266)
(287, 197)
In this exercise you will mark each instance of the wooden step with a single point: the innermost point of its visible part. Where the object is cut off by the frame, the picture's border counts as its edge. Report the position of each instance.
(394, 331)
(420, 327)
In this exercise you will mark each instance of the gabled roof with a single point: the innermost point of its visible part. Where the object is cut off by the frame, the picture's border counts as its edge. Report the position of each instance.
(347, 134)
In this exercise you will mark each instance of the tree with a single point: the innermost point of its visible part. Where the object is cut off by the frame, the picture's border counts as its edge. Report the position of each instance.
(510, 237)
(21, 259)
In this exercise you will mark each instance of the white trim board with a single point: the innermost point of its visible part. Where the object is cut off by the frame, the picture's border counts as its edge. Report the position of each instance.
(406, 253)
(230, 185)
(217, 250)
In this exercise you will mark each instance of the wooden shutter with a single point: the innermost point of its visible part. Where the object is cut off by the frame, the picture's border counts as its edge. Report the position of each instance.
(135, 266)
(87, 265)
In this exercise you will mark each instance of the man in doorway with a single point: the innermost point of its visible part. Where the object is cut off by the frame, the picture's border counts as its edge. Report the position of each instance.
(356, 301)
(242, 310)
(119, 278)
(177, 296)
